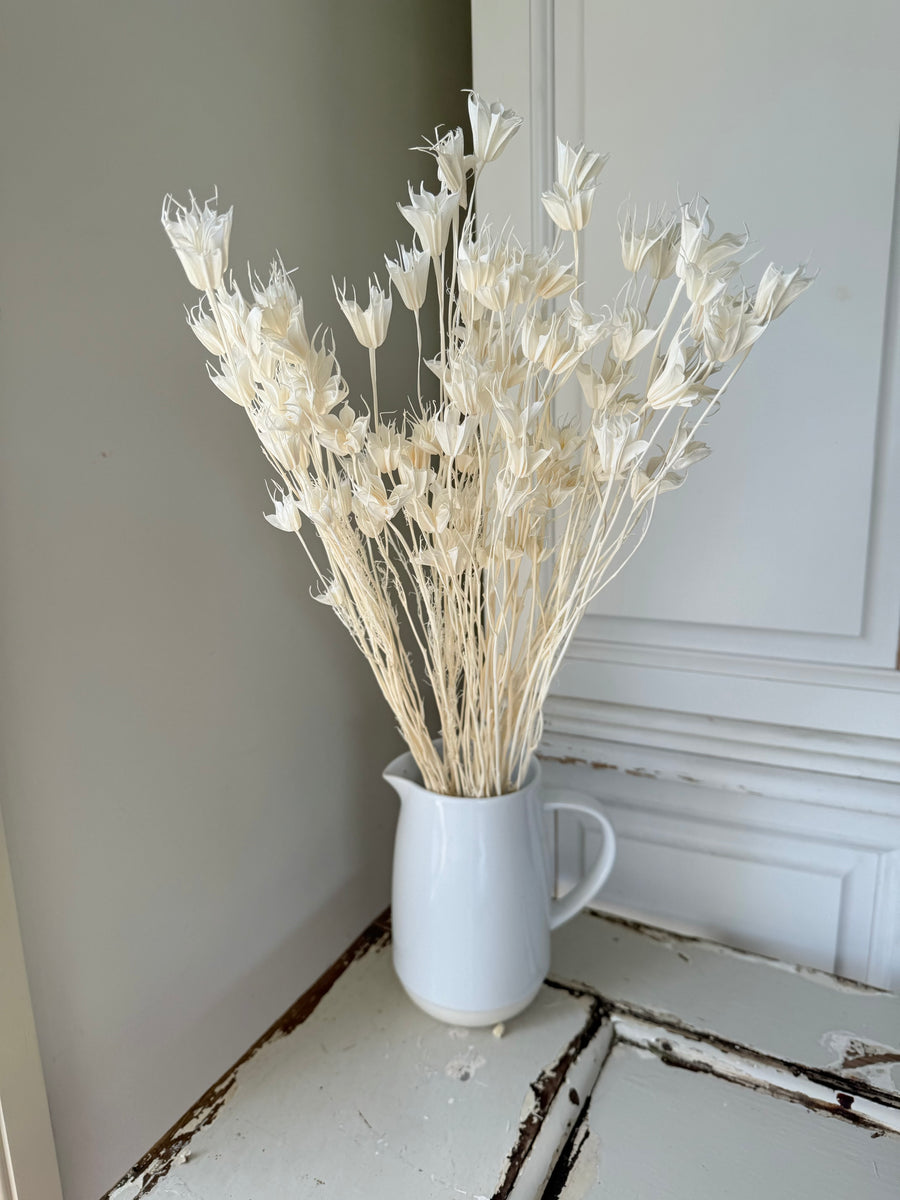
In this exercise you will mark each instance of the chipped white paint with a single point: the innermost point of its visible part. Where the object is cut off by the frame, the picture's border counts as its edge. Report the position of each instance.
(577, 1086)
(465, 1066)
(751, 1072)
(360, 1101)
(654, 1132)
(780, 1011)
(859, 1058)
(733, 1061)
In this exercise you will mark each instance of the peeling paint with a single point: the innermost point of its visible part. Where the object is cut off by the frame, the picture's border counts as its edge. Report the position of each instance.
(173, 1146)
(861, 1086)
(546, 1087)
(858, 1058)
(672, 941)
(818, 1090)
(570, 760)
(577, 1169)
(464, 1067)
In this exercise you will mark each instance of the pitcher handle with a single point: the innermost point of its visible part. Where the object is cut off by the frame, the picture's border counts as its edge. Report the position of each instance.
(582, 893)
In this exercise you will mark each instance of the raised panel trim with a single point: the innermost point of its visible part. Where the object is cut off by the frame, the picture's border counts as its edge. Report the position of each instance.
(733, 756)
(860, 849)
(530, 82)
(553, 94)
(572, 725)
(845, 701)
(856, 869)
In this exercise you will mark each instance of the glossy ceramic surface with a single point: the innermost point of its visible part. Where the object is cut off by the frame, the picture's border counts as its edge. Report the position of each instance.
(472, 908)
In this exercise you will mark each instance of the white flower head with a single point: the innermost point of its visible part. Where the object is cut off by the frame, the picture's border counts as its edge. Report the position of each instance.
(333, 595)
(326, 506)
(730, 326)
(236, 383)
(287, 514)
(661, 256)
(430, 215)
(289, 447)
(590, 331)
(370, 325)
(673, 384)
(483, 258)
(576, 167)
(385, 446)
(343, 432)
(552, 344)
(453, 164)
(615, 432)
(640, 238)
(569, 212)
(294, 343)
(699, 248)
(629, 335)
(777, 290)
(602, 387)
(206, 330)
(409, 275)
(277, 300)
(452, 430)
(372, 498)
(492, 127)
(199, 237)
(547, 276)
(233, 312)
(704, 287)
(496, 296)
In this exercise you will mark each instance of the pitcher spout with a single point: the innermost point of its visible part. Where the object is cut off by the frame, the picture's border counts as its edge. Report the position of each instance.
(401, 773)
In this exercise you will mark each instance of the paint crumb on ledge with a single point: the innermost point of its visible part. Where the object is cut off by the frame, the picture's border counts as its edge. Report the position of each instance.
(499, 1030)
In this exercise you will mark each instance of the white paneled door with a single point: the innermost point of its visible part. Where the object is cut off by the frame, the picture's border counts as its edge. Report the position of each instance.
(733, 695)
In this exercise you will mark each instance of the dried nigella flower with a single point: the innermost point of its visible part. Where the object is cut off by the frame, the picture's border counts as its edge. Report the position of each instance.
(409, 275)
(199, 237)
(492, 127)
(370, 324)
(430, 215)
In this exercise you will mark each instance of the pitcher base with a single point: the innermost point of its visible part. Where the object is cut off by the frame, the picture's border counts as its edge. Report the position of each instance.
(468, 1017)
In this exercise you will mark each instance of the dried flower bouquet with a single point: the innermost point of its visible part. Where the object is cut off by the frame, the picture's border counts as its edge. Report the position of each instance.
(477, 527)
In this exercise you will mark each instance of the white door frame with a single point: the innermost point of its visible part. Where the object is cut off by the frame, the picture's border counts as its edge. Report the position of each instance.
(28, 1167)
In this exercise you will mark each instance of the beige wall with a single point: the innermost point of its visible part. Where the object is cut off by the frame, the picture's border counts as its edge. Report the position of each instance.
(190, 746)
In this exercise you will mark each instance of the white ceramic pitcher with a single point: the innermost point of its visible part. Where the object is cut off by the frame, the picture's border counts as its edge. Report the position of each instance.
(471, 909)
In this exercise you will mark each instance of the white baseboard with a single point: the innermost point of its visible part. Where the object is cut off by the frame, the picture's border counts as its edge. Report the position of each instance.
(775, 841)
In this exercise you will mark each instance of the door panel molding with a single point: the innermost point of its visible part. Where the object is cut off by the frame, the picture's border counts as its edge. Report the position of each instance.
(805, 877)
(766, 738)
(873, 643)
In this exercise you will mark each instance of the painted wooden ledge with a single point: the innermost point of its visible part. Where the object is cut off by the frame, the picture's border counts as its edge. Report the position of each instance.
(738, 1066)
